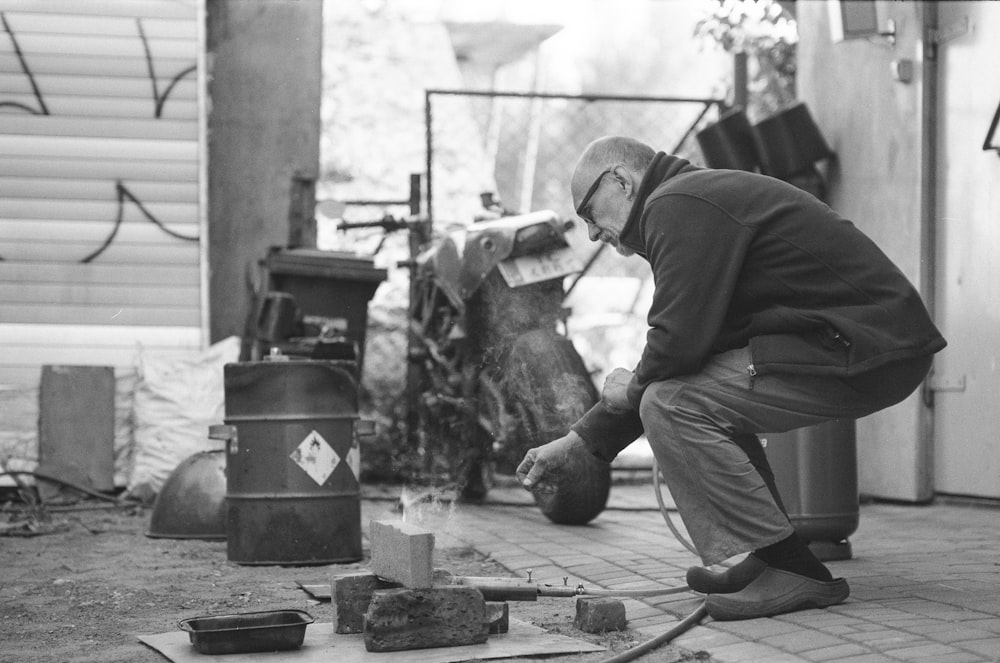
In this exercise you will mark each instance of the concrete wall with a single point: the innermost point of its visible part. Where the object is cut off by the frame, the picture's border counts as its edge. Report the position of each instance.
(264, 86)
(873, 122)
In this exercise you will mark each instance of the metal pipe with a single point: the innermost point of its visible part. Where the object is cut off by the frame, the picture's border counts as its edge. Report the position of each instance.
(633, 593)
(584, 97)
(515, 589)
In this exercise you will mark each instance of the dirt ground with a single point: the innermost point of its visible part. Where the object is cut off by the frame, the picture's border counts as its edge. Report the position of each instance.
(86, 582)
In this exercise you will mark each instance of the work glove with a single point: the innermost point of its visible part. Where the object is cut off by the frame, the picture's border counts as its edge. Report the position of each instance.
(615, 392)
(540, 469)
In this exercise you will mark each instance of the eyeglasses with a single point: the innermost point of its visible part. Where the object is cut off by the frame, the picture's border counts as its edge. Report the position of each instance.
(581, 208)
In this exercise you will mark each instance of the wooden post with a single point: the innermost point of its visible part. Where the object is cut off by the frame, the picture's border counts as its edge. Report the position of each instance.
(301, 213)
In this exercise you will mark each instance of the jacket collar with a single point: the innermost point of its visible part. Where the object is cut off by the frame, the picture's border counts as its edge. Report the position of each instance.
(661, 168)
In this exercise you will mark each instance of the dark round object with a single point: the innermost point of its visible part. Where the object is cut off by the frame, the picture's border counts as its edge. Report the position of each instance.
(192, 502)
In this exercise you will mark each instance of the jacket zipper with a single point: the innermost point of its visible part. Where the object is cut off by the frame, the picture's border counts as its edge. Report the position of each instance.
(753, 373)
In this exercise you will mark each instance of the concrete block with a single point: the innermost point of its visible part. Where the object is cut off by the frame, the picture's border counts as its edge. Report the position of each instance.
(350, 595)
(402, 553)
(498, 617)
(599, 614)
(405, 618)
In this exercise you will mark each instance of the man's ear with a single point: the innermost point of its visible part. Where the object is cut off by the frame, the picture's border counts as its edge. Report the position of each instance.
(623, 176)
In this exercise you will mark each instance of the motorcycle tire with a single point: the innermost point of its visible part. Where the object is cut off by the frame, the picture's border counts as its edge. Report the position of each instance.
(550, 387)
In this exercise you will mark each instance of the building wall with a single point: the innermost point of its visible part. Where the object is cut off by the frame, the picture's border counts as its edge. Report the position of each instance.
(873, 123)
(264, 86)
(100, 220)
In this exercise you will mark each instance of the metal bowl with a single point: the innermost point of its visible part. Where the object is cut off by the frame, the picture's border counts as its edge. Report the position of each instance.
(192, 502)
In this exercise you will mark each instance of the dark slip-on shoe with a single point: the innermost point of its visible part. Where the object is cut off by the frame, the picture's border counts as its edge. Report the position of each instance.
(731, 580)
(775, 592)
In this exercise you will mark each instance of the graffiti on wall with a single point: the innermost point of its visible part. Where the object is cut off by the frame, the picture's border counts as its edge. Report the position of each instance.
(159, 97)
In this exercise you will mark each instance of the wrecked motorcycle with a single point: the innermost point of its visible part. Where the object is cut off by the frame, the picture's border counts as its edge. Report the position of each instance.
(495, 374)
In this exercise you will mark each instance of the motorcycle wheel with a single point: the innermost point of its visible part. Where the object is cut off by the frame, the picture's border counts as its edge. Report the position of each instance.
(550, 389)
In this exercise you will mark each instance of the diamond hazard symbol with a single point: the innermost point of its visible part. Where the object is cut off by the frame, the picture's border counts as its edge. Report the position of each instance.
(316, 457)
(354, 459)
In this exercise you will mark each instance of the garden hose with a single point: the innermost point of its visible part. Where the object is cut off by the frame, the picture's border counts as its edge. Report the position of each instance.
(649, 645)
(666, 516)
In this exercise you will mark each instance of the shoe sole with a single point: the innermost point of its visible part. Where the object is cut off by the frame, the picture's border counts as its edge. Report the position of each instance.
(722, 607)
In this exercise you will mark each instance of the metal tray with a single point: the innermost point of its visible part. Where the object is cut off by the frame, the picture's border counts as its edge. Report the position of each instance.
(272, 630)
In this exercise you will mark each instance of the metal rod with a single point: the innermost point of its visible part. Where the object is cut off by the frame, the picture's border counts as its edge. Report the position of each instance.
(584, 97)
(429, 137)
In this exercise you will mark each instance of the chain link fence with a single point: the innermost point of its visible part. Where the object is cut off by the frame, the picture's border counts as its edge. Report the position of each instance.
(522, 146)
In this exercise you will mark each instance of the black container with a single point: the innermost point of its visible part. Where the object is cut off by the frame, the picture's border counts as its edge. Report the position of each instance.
(292, 462)
(789, 142)
(729, 143)
(329, 284)
(816, 471)
(273, 630)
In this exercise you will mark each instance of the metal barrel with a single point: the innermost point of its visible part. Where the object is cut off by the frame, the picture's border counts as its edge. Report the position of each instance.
(292, 462)
(815, 469)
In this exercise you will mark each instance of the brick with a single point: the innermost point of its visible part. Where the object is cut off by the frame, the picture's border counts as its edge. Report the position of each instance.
(406, 618)
(402, 553)
(597, 615)
(350, 594)
(498, 617)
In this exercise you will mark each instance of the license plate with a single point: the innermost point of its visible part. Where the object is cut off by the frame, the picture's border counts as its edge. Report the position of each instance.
(539, 267)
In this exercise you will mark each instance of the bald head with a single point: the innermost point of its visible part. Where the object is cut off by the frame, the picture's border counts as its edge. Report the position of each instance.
(605, 152)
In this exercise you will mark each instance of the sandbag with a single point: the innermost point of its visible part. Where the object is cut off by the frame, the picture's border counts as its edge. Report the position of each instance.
(177, 398)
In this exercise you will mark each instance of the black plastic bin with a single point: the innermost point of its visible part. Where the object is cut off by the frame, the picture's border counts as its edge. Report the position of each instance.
(815, 469)
(328, 284)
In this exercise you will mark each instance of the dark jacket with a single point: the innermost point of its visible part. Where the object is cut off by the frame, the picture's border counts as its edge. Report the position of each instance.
(743, 259)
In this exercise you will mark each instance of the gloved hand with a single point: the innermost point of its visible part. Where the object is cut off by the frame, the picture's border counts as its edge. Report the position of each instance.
(615, 392)
(539, 471)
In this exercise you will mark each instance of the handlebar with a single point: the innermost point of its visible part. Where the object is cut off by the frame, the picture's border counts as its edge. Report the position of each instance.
(387, 222)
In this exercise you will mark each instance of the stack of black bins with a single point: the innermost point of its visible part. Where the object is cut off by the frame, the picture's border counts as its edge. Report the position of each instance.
(328, 284)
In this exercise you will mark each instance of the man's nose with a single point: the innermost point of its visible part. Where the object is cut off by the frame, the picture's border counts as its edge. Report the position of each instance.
(593, 232)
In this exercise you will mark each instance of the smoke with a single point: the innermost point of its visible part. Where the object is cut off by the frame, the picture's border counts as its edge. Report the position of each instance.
(430, 508)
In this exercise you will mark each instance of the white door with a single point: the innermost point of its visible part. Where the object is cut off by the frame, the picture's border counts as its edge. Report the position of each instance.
(966, 378)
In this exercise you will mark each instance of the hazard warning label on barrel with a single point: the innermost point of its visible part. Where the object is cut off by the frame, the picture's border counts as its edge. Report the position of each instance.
(316, 457)
(354, 459)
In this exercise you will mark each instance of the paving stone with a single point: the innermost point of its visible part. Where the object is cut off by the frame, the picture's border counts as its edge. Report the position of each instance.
(402, 553)
(834, 653)
(957, 657)
(922, 651)
(802, 640)
(869, 658)
(756, 629)
(409, 618)
(949, 633)
(752, 651)
(883, 637)
(989, 647)
(597, 615)
(660, 622)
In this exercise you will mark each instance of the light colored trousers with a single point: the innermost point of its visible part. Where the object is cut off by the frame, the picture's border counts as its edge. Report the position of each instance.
(702, 430)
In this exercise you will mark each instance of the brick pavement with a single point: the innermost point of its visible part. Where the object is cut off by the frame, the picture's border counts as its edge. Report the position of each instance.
(925, 580)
